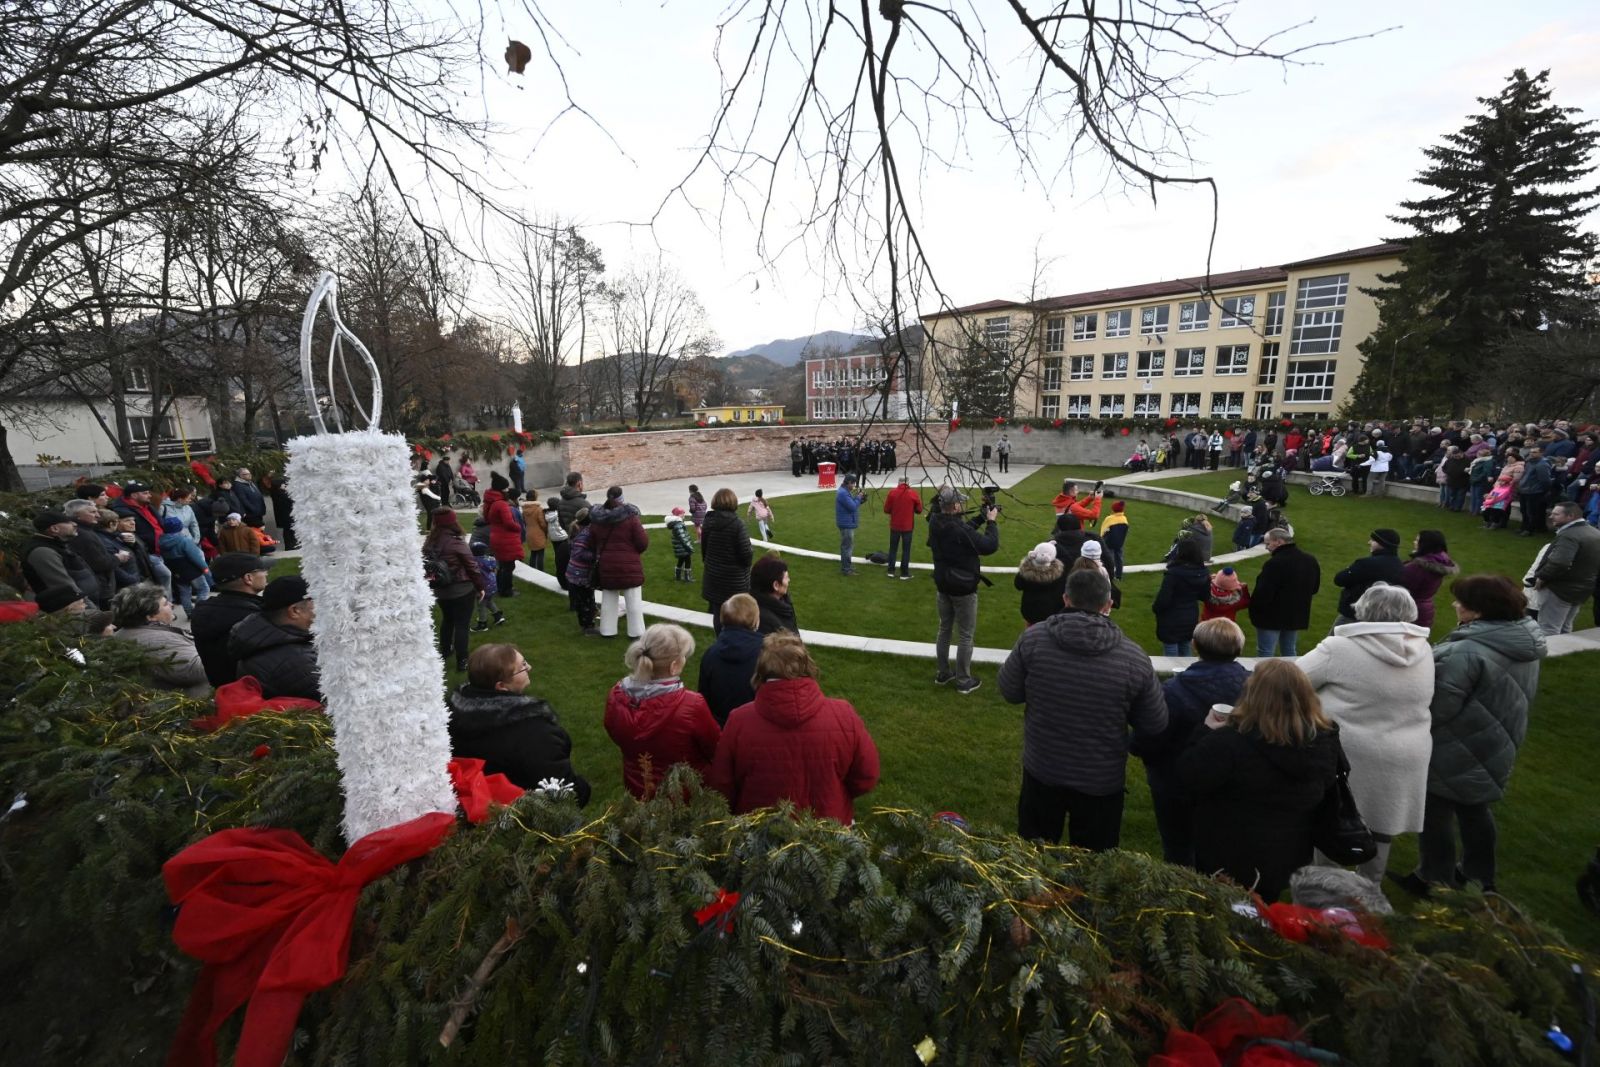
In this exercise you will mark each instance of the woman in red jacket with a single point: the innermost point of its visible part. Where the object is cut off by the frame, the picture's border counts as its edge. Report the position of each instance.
(792, 743)
(505, 533)
(653, 718)
(619, 539)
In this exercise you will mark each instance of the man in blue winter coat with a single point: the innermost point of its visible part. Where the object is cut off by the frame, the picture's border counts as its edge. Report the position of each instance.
(847, 516)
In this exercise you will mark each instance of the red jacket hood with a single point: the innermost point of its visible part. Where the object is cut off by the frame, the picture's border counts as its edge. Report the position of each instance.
(643, 719)
(789, 702)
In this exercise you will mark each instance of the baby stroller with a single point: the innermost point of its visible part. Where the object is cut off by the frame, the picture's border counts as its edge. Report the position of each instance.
(1330, 482)
(464, 495)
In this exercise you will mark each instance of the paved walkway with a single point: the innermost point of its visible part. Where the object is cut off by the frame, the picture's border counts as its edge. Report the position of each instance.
(659, 498)
(1582, 641)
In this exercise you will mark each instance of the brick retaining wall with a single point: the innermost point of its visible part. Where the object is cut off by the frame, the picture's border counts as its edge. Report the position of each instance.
(633, 458)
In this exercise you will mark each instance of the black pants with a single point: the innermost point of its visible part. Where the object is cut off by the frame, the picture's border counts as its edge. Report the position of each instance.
(1436, 845)
(581, 600)
(1358, 478)
(563, 554)
(457, 616)
(503, 578)
(1533, 509)
(900, 540)
(1043, 811)
(1174, 818)
(1005, 462)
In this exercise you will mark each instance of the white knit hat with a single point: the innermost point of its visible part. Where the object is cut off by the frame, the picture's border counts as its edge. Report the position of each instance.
(1091, 550)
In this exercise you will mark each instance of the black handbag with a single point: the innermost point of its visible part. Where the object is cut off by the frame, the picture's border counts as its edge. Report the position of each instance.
(1340, 833)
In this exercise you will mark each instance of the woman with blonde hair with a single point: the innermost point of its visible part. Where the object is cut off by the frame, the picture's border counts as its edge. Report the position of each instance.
(792, 743)
(1257, 776)
(653, 718)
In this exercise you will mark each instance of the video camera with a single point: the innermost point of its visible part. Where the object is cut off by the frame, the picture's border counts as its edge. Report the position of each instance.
(988, 493)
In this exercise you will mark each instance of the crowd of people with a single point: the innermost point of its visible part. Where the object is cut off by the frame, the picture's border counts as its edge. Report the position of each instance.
(1240, 763)
(849, 455)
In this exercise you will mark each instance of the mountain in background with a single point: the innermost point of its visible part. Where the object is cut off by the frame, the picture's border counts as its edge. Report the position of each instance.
(788, 352)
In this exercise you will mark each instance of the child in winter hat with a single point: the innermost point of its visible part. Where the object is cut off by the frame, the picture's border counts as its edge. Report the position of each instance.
(1227, 597)
(682, 547)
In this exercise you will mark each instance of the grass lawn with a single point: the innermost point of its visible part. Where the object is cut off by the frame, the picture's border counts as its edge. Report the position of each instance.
(826, 600)
(943, 751)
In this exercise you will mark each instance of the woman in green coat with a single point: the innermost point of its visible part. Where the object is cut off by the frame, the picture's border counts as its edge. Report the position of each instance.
(1486, 672)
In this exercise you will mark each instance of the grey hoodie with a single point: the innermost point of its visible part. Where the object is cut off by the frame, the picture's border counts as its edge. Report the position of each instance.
(1084, 682)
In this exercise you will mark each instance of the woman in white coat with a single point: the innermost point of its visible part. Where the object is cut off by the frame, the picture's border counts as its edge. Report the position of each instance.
(1375, 679)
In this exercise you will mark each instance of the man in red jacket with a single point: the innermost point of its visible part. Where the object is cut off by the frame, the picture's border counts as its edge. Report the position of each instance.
(902, 505)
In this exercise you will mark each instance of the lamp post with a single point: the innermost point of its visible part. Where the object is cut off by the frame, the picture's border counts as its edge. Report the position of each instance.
(1394, 355)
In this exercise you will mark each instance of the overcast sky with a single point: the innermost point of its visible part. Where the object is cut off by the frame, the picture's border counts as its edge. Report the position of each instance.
(1310, 159)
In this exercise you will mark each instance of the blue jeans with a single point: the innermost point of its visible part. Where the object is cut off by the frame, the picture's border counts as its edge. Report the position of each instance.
(1455, 498)
(1475, 494)
(190, 592)
(1176, 648)
(900, 539)
(847, 544)
(1276, 642)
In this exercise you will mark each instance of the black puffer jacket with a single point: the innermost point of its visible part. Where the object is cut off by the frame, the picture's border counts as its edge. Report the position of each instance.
(1184, 587)
(1281, 599)
(280, 657)
(211, 621)
(725, 550)
(1189, 696)
(515, 735)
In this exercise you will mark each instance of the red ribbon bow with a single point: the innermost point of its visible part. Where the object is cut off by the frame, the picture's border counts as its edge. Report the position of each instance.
(270, 917)
(237, 699)
(719, 911)
(476, 790)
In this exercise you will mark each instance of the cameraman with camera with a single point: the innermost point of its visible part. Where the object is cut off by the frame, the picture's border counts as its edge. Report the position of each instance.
(957, 542)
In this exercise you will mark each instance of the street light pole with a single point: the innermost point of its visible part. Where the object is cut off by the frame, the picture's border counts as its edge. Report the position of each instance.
(1394, 354)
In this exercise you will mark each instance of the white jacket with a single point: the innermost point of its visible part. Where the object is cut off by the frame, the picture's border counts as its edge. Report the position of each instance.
(1376, 681)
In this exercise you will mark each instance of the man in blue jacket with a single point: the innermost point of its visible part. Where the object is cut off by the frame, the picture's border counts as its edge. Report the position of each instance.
(1533, 495)
(847, 516)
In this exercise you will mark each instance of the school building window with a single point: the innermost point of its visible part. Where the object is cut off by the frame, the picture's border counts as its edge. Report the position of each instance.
(1194, 315)
(1050, 407)
(1152, 364)
(1264, 405)
(1154, 319)
(1190, 363)
(1185, 405)
(1055, 334)
(1227, 405)
(1237, 311)
(1119, 323)
(1078, 406)
(1112, 405)
(1316, 333)
(1052, 374)
(1275, 305)
(1082, 368)
(1114, 365)
(1233, 359)
(1083, 326)
(1310, 381)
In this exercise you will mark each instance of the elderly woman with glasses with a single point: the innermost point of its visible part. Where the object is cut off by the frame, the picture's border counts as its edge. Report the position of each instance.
(495, 719)
(1375, 679)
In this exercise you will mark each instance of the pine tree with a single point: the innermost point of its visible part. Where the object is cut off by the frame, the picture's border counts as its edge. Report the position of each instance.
(1496, 251)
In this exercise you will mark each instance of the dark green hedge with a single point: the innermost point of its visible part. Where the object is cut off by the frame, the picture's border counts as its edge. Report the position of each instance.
(849, 945)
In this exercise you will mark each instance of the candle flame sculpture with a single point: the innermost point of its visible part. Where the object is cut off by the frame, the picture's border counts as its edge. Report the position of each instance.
(354, 511)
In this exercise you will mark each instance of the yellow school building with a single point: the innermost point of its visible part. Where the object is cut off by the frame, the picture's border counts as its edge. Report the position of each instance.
(1265, 343)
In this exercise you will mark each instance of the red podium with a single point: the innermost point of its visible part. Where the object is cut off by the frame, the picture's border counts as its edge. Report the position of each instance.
(825, 473)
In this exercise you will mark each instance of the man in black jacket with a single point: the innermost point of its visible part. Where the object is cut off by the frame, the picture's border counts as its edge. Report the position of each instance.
(1083, 683)
(275, 645)
(47, 558)
(1381, 564)
(1280, 604)
(957, 543)
(240, 578)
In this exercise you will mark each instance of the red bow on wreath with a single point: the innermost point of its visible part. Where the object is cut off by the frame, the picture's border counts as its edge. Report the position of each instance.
(269, 917)
(719, 911)
(475, 791)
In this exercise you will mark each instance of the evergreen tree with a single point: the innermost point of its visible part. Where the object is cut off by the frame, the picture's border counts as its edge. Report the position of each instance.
(1496, 251)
